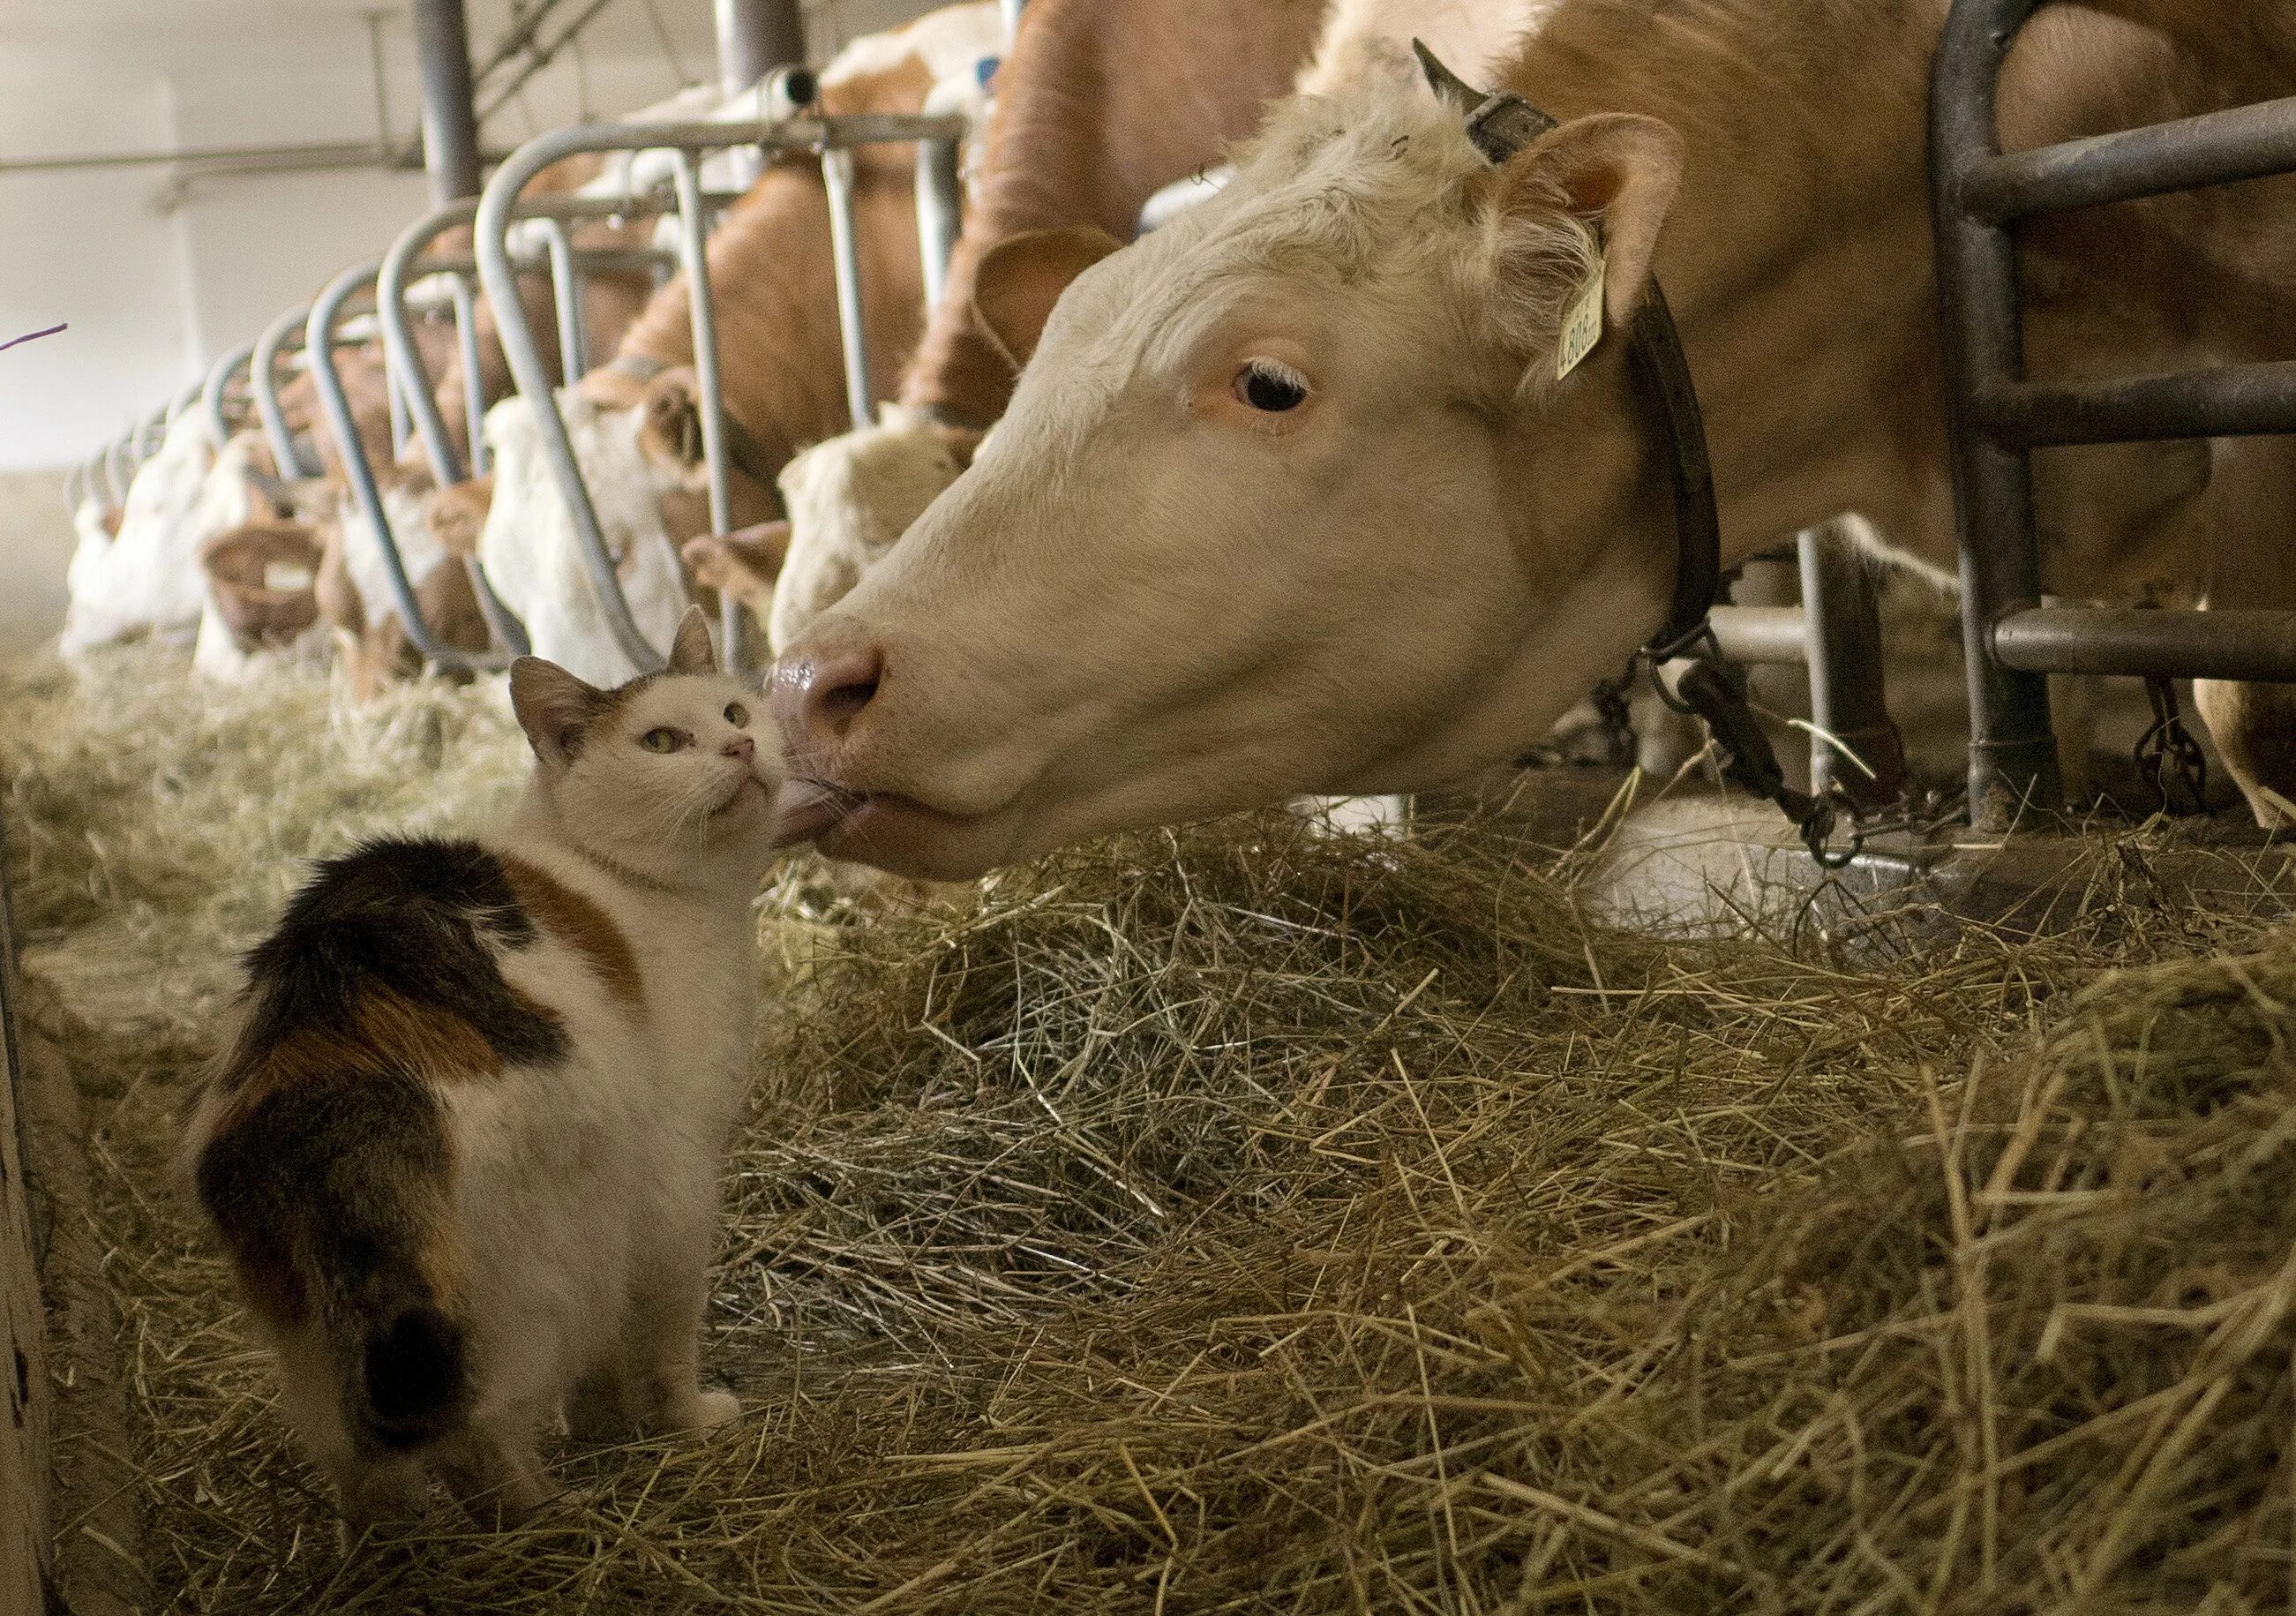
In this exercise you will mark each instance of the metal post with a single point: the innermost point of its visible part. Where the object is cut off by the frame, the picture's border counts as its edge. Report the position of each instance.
(566, 292)
(1846, 694)
(400, 348)
(754, 37)
(852, 321)
(450, 127)
(212, 396)
(1012, 10)
(2012, 754)
(693, 241)
(263, 379)
(474, 392)
(939, 212)
(319, 342)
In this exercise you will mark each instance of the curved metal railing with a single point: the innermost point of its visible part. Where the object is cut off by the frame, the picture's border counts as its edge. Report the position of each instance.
(834, 139)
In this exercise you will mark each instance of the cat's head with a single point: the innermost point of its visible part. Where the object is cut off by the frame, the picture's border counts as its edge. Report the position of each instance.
(684, 764)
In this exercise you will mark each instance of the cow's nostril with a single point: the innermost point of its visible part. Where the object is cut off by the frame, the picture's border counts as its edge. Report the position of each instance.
(819, 696)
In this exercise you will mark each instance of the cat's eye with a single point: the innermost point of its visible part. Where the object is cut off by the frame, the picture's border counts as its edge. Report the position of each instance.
(664, 740)
(1270, 386)
(737, 715)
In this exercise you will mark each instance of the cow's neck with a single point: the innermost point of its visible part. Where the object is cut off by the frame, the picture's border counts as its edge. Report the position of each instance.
(1797, 258)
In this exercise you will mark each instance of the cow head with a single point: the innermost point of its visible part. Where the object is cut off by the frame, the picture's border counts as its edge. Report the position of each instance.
(1288, 500)
(262, 576)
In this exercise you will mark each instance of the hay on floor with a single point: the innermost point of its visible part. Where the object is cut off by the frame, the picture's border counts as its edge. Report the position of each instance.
(1243, 1220)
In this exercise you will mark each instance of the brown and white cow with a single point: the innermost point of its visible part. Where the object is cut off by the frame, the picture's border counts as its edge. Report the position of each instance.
(1291, 499)
(1099, 107)
(634, 421)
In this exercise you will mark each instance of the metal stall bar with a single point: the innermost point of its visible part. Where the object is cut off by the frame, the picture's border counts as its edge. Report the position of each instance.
(450, 127)
(941, 211)
(75, 489)
(409, 261)
(496, 208)
(566, 287)
(319, 340)
(263, 381)
(693, 260)
(1997, 417)
(845, 254)
(214, 394)
(1847, 700)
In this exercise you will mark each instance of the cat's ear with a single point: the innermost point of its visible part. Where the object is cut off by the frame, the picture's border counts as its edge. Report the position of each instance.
(553, 707)
(690, 652)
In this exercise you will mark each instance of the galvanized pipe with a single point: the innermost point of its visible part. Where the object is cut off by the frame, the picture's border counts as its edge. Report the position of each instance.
(709, 381)
(450, 125)
(1012, 10)
(186, 399)
(319, 341)
(2213, 148)
(1847, 697)
(218, 385)
(401, 352)
(496, 208)
(852, 317)
(2232, 400)
(151, 433)
(474, 395)
(1754, 635)
(263, 379)
(754, 37)
(940, 212)
(2255, 646)
(75, 489)
(566, 294)
(2013, 751)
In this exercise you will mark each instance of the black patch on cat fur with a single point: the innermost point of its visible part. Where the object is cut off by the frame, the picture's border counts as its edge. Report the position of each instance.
(342, 1182)
(414, 914)
(416, 1377)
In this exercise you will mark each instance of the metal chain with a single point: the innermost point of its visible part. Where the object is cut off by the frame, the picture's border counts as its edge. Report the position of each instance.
(2168, 758)
(1714, 691)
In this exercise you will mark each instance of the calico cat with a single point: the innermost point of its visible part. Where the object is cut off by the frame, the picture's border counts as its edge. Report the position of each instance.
(462, 1149)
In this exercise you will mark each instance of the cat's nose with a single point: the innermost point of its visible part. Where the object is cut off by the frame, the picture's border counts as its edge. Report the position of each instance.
(741, 746)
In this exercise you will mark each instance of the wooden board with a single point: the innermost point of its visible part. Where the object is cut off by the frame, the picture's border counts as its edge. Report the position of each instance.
(24, 1469)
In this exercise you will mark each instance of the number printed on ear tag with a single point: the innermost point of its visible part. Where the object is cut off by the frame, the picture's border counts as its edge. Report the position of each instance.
(1582, 326)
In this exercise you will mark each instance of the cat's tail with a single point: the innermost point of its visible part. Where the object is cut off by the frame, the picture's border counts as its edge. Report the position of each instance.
(334, 1194)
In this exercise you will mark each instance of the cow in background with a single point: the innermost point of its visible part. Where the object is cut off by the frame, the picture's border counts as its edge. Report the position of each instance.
(634, 420)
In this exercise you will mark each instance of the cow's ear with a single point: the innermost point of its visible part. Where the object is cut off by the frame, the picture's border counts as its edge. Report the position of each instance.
(1616, 171)
(553, 707)
(1021, 279)
(690, 652)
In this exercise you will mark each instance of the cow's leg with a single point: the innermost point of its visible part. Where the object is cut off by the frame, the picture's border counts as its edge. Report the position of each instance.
(2252, 522)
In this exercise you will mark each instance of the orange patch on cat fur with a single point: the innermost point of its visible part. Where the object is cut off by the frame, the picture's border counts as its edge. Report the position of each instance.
(582, 926)
(384, 1029)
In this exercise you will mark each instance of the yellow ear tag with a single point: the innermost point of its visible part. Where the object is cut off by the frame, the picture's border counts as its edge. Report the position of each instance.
(1582, 325)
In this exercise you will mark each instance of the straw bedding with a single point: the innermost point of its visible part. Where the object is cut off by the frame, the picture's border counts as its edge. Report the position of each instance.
(1244, 1219)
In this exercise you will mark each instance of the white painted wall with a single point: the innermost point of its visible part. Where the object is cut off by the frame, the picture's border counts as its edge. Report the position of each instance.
(155, 288)
(84, 248)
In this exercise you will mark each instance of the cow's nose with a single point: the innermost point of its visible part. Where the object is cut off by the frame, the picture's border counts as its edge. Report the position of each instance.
(818, 694)
(744, 747)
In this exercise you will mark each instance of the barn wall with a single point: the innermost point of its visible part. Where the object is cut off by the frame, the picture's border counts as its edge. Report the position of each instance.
(83, 247)
(158, 280)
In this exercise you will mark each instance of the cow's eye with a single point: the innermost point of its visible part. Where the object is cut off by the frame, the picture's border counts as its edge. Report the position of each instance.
(737, 715)
(1271, 387)
(663, 740)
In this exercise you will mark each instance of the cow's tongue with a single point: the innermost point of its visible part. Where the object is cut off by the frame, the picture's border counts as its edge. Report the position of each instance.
(808, 808)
